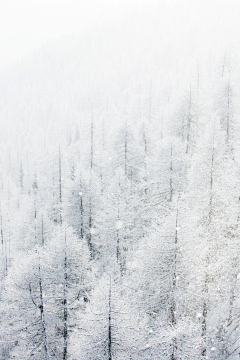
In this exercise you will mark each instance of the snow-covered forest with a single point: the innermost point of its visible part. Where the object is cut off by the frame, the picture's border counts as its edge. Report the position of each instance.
(120, 190)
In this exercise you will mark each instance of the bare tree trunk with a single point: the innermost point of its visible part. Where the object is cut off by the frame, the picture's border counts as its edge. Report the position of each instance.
(81, 215)
(65, 310)
(42, 232)
(170, 181)
(118, 249)
(205, 303)
(174, 285)
(42, 314)
(211, 184)
(145, 158)
(231, 299)
(60, 185)
(204, 317)
(110, 322)
(89, 239)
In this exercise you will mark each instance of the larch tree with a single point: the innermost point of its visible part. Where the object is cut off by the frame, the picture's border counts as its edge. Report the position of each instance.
(44, 296)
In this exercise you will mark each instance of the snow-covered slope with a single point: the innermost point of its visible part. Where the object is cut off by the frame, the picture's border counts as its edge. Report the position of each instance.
(119, 190)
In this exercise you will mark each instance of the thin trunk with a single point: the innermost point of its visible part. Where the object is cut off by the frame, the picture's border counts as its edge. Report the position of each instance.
(229, 321)
(145, 158)
(211, 183)
(204, 316)
(205, 303)
(90, 197)
(81, 214)
(5, 246)
(42, 232)
(65, 310)
(171, 173)
(110, 323)
(91, 160)
(174, 285)
(103, 150)
(56, 204)
(35, 225)
(81, 209)
(42, 314)
(60, 185)
(118, 250)
(90, 228)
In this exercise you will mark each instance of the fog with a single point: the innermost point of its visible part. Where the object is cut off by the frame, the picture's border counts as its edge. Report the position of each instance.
(27, 24)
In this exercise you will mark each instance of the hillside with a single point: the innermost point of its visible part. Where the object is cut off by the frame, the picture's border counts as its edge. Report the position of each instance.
(120, 192)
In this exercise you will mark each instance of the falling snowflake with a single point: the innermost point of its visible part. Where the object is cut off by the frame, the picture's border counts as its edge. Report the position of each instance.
(92, 231)
(80, 193)
(119, 224)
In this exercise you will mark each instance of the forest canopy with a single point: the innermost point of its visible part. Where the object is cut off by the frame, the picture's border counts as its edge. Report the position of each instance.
(120, 192)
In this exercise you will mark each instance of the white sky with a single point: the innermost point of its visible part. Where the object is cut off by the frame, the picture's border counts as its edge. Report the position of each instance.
(27, 24)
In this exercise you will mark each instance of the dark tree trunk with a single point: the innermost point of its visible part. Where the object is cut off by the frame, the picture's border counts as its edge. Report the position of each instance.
(174, 285)
(42, 314)
(110, 323)
(65, 310)
(60, 185)
(89, 238)
(171, 174)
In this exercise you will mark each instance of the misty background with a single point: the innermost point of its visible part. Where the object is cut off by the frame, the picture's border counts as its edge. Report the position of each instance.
(119, 180)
